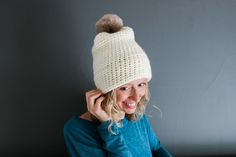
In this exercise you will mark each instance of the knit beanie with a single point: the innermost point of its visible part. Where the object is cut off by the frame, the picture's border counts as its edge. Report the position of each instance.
(117, 57)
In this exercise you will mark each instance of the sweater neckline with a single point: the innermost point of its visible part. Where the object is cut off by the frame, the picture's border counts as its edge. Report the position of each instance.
(124, 121)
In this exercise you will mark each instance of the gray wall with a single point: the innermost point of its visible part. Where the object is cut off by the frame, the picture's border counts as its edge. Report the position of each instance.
(46, 66)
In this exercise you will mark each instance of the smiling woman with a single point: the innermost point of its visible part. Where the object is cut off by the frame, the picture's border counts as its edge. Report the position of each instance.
(115, 124)
(129, 95)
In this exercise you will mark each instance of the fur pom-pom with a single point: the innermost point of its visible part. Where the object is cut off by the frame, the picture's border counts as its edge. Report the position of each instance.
(109, 23)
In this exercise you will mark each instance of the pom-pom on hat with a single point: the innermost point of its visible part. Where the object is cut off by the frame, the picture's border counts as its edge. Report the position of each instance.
(117, 57)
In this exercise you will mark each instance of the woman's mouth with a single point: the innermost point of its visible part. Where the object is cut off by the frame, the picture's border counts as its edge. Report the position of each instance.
(130, 105)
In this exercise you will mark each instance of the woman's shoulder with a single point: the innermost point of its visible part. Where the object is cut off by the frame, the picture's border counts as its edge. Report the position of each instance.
(81, 131)
(145, 119)
(76, 124)
(142, 121)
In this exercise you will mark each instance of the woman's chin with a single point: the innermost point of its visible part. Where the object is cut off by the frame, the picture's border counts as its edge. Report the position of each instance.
(130, 111)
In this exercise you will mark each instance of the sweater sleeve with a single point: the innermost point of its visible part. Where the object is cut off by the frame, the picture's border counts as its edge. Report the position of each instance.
(114, 142)
(80, 143)
(157, 149)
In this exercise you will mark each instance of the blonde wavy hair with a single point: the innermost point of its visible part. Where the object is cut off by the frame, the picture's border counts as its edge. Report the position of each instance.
(110, 106)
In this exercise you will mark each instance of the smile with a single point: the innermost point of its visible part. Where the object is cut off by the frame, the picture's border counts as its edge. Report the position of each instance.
(130, 105)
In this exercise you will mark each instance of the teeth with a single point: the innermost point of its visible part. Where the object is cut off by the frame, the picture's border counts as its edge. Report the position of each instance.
(131, 105)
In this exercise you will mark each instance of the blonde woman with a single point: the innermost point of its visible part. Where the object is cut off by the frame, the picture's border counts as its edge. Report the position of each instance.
(115, 124)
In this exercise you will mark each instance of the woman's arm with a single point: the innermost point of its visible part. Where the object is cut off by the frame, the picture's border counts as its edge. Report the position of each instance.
(80, 143)
(114, 142)
(161, 152)
(157, 149)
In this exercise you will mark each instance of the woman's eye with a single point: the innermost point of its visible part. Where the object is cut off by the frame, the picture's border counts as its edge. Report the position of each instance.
(124, 88)
(142, 84)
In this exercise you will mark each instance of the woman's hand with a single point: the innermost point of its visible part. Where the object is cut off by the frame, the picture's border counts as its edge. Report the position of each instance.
(94, 100)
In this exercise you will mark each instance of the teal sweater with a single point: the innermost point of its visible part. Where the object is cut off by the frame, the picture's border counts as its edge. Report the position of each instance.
(90, 139)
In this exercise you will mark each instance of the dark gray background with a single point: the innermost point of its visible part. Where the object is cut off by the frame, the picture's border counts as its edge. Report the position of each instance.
(46, 66)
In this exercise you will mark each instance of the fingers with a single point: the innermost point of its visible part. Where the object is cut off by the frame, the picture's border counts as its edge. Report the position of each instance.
(97, 105)
(92, 98)
(93, 93)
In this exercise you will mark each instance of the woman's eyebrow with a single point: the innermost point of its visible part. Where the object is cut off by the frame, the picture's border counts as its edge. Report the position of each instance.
(142, 82)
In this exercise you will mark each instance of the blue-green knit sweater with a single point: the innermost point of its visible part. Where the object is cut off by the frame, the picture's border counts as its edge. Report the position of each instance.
(90, 139)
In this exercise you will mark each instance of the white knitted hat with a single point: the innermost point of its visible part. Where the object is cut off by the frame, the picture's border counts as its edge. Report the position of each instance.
(117, 57)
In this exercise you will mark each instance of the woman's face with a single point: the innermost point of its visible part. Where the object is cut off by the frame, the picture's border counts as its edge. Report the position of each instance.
(129, 95)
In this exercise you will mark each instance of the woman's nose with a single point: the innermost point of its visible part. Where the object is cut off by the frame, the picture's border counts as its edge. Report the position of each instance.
(134, 94)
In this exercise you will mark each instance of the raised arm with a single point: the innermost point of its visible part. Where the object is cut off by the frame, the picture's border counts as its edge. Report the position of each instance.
(114, 142)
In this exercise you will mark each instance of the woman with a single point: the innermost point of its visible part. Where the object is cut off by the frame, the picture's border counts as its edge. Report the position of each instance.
(115, 124)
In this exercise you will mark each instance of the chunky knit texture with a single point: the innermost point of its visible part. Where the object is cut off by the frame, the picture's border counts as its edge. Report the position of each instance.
(118, 59)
